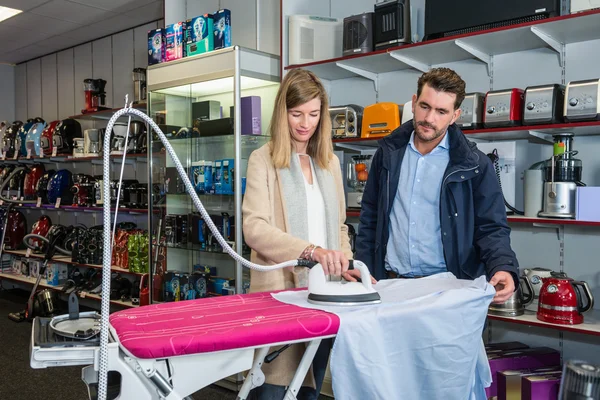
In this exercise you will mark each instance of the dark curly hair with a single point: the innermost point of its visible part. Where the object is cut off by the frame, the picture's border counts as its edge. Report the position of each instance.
(443, 80)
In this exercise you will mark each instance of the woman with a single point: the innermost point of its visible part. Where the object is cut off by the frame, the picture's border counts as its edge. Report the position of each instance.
(294, 207)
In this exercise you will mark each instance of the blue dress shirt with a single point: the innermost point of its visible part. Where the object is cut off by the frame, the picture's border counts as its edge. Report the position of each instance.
(415, 246)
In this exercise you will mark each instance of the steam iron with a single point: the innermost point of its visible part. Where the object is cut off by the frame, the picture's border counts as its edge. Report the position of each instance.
(341, 292)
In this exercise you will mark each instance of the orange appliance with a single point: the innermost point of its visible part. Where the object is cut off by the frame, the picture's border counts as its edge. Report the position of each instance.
(380, 119)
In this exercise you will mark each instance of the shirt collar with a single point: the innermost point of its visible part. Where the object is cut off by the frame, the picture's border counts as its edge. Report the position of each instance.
(444, 144)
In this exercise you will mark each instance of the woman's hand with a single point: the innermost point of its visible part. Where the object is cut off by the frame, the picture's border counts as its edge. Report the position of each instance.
(353, 275)
(334, 262)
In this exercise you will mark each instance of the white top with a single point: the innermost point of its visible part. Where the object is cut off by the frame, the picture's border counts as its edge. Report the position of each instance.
(315, 206)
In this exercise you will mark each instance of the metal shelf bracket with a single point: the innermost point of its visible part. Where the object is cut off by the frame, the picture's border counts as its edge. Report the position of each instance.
(550, 41)
(372, 76)
(541, 135)
(480, 55)
(418, 65)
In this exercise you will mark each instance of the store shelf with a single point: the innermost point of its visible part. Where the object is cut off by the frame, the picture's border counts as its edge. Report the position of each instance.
(551, 221)
(479, 45)
(196, 247)
(64, 158)
(67, 260)
(591, 325)
(50, 207)
(83, 295)
(106, 114)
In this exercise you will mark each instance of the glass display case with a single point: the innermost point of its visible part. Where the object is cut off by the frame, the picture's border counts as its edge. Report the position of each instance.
(215, 109)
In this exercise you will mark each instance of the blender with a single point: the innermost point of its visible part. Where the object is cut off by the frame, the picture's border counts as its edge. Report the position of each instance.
(357, 174)
(562, 176)
(95, 95)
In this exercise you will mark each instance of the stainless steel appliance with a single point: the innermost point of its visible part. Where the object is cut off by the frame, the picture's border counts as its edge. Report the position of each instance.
(544, 104)
(562, 177)
(582, 100)
(471, 111)
(357, 174)
(346, 121)
(139, 85)
(392, 24)
(517, 302)
(534, 276)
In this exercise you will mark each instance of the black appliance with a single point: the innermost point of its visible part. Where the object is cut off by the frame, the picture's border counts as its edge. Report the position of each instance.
(392, 24)
(358, 34)
(448, 18)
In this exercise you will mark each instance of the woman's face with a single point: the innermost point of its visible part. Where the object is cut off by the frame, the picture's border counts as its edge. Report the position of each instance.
(303, 120)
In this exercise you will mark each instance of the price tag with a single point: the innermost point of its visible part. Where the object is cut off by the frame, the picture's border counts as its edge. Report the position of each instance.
(54, 150)
(28, 153)
(28, 253)
(57, 205)
(39, 202)
(22, 198)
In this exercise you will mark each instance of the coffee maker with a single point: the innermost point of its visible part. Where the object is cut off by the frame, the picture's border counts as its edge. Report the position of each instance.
(95, 95)
(92, 142)
(562, 176)
(139, 85)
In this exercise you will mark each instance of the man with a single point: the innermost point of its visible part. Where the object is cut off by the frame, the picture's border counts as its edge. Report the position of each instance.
(432, 202)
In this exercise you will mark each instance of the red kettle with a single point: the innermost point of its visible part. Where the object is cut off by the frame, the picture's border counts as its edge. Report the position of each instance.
(561, 300)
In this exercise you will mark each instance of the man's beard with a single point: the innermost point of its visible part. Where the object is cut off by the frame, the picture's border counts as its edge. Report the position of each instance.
(426, 137)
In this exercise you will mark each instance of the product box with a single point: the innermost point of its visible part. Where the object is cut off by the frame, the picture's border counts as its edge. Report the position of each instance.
(588, 198)
(509, 381)
(505, 346)
(197, 176)
(56, 274)
(217, 176)
(156, 46)
(199, 37)
(175, 48)
(227, 169)
(251, 120)
(540, 387)
(537, 357)
(222, 29)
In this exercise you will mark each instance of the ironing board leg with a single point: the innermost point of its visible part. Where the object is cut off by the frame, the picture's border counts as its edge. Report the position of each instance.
(305, 363)
(255, 376)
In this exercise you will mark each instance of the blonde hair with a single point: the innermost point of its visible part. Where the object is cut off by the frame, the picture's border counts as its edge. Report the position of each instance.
(298, 87)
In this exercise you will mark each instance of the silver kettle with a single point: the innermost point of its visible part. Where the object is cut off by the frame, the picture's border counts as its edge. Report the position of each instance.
(534, 277)
(515, 305)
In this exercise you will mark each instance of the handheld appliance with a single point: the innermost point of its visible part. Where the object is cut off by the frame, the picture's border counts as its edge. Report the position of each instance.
(95, 96)
(358, 34)
(346, 121)
(139, 85)
(503, 108)
(471, 111)
(562, 176)
(392, 24)
(561, 300)
(380, 119)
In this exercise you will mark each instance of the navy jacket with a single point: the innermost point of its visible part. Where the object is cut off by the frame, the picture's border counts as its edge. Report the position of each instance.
(474, 230)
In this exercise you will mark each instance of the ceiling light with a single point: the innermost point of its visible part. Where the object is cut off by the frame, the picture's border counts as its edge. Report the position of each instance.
(6, 12)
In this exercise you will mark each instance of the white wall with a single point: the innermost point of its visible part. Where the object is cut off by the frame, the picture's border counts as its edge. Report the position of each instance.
(7, 90)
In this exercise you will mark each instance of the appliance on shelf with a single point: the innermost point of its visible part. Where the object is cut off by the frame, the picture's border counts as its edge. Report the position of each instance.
(139, 85)
(313, 38)
(358, 34)
(471, 111)
(534, 276)
(392, 24)
(543, 104)
(448, 18)
(561, 300)
(580, 381)
(407, 113)
(582, 100)
(583, 5)
(92, 142)
(503, 108)
(346, 121)
(356, 175)
(95, 96)
(380, 119)
(562, 176)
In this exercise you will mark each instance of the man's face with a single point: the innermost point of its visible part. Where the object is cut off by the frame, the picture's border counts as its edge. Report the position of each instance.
(433, 113)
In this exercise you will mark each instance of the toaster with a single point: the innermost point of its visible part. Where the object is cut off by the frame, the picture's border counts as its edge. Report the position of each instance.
(543, 104)
(346, 121)
(581, 100)
(503, 108)
(358, 34)
(380, 119)
(471, 111)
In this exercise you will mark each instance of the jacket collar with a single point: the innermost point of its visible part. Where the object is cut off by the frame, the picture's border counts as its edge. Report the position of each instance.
(462, 151)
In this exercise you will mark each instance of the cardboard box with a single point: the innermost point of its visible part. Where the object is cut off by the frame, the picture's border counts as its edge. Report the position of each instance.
(509, 381)
(199, 37)
(222, 29)
(537, 357)
(156, 46)
(175, 47)
(540, 387)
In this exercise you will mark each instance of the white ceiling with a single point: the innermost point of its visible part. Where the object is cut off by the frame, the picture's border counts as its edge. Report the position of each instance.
(46, 26)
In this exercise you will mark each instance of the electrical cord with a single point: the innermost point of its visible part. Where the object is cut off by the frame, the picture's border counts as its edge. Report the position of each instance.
(494, 158)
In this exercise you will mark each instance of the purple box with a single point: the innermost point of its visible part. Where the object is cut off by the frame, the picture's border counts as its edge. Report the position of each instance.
(537, 357)
(156, 46)
(588, 198)
(510, 381)
(495, 347)
(544, 387)
(251, 120)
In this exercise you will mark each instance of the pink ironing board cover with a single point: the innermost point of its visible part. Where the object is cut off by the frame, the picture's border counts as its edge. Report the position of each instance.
(217, 323)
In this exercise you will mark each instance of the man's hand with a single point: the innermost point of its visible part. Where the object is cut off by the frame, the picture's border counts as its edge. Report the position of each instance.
(353, 274)
(505, 286)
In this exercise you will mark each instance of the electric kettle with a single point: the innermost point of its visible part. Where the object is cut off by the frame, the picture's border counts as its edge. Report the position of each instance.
(561, 300)
(534, 276)
(515, 305)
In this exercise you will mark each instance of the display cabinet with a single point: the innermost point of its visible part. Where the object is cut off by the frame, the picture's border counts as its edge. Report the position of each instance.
(215, 109)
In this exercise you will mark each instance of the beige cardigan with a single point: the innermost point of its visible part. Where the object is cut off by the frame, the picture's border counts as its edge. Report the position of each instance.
(265, 226)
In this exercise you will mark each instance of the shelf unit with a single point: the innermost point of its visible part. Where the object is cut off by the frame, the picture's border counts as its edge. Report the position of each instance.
(590, 326)
(106, 114)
